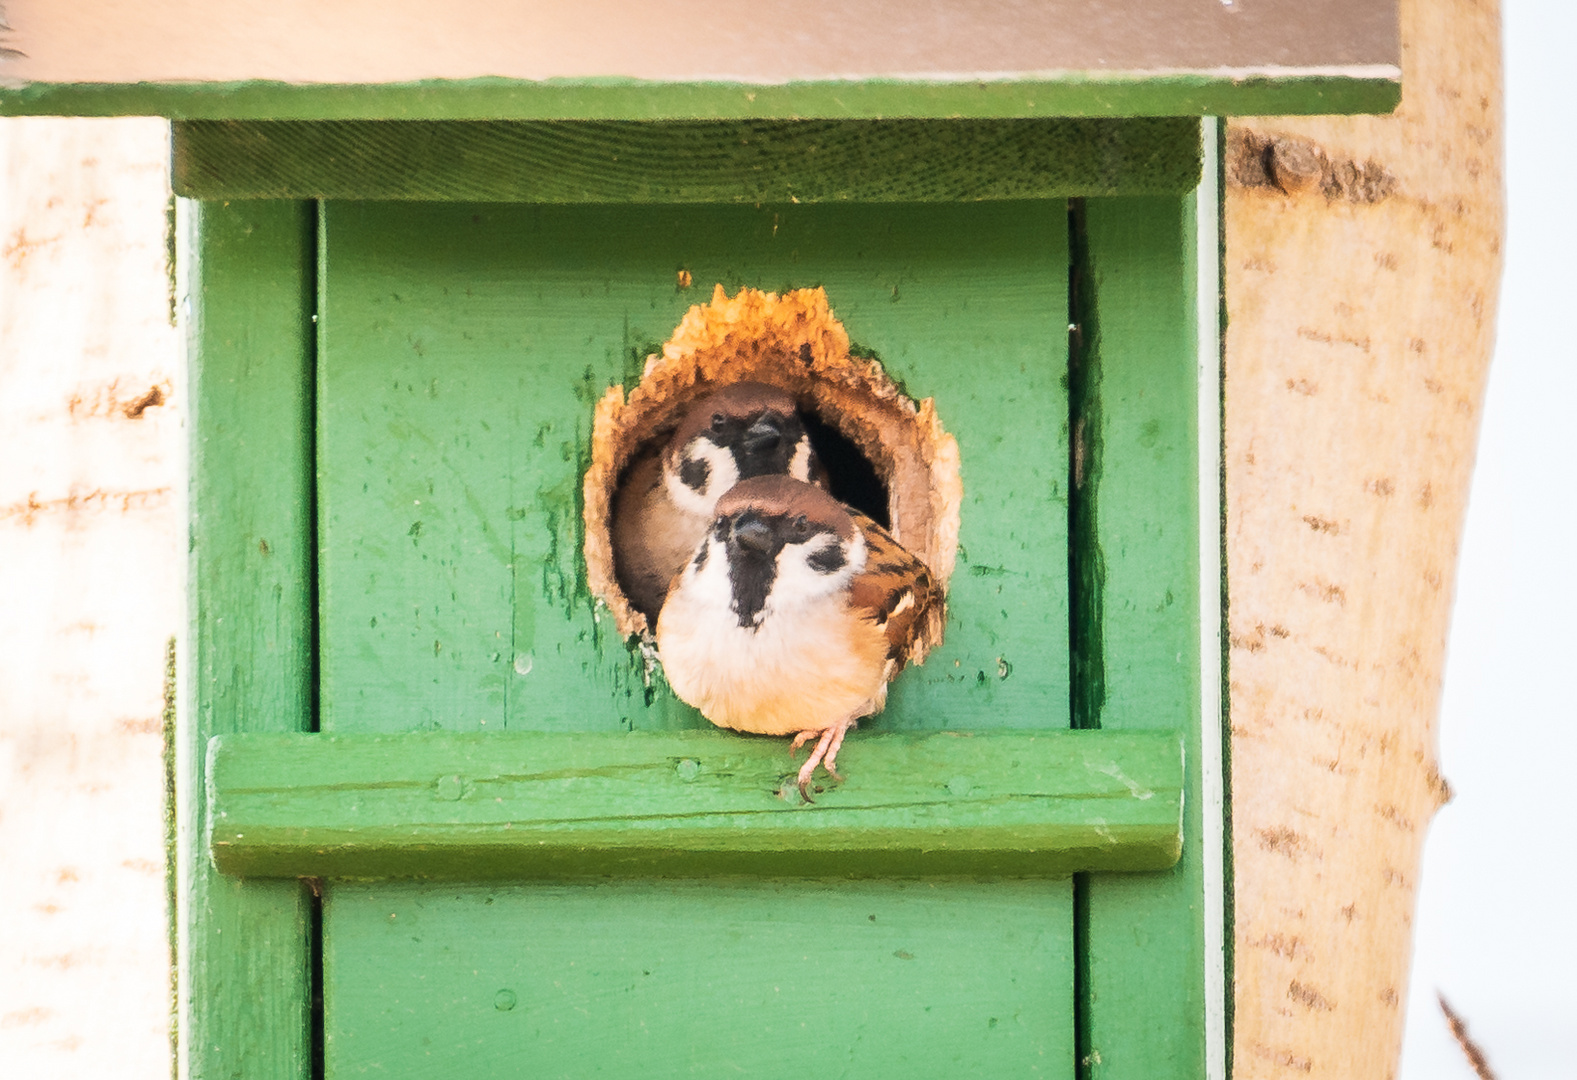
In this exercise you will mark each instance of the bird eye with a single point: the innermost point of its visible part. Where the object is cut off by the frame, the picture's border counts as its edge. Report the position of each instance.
(718, 420)
(801, 526)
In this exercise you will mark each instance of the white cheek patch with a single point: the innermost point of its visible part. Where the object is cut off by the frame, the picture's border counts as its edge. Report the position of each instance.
(709, 583)
(722, 474)
(799, 464)
(797, 582)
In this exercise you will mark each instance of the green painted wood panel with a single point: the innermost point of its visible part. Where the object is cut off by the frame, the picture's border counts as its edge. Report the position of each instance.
(1078, 94)
(769, 979)
(1145, 939)
(538, 805)
(462, 348)
(250, 275)
(248, 665)
(746, 162)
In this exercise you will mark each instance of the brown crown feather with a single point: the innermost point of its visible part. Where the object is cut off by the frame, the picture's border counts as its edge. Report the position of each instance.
(784, 496)
(736, 400)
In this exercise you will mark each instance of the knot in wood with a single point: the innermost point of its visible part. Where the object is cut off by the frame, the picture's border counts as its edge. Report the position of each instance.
(1295, 166)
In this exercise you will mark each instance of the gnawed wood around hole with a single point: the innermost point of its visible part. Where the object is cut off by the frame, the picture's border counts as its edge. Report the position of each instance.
(793, 341)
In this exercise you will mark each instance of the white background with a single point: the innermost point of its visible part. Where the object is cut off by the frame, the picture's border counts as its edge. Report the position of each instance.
(1495, 930)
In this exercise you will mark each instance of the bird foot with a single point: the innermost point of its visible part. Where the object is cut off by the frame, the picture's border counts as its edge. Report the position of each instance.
(825, 754)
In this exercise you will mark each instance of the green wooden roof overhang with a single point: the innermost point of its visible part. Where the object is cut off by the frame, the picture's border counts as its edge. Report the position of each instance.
(693, 60)
(1254, 92)
(681, 101)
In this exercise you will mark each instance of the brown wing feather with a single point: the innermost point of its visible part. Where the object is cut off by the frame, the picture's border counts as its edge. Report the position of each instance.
(895, 590)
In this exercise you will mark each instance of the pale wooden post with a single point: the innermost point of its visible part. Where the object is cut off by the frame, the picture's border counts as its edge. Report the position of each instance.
(1362, 268)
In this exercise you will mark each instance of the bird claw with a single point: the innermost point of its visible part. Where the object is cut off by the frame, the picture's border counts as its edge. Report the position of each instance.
(825, 754)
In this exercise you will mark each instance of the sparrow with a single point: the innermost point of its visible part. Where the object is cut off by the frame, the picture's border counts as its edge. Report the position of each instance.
(665, 505)
(792, 616)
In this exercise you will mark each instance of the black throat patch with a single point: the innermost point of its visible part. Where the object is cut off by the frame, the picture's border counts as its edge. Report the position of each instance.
(750, 575)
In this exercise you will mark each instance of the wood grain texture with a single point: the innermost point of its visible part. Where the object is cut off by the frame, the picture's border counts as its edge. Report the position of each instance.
(776, 42)
(689, 803)
(1362, 269)
(92, 541)
(243, 994)
(749, 162)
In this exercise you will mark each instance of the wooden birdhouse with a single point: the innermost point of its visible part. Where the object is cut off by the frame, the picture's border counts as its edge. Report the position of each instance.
(442, 814)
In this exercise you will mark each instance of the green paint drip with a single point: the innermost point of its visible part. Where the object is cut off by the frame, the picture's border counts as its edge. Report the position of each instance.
(635, 354)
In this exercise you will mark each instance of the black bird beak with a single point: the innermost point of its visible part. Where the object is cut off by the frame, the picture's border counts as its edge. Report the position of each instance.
(755, 535)
(764, 435)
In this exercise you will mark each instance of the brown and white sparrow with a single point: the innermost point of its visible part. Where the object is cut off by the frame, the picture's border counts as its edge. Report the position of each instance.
(665, 505)
(792, 616)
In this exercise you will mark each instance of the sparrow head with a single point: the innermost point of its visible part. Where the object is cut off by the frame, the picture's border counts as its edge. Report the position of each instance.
(743, 430)
(780, 543)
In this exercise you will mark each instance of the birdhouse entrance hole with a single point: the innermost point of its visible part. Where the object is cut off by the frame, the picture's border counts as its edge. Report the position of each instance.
(884, 453)
(851, 478)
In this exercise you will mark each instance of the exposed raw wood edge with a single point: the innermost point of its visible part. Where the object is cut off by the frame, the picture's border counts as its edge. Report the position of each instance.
(793, 341)
(1366, 73)
(1363, 265)
(1359, 72)
(1280, 72)
(775, 41)
(545, 804)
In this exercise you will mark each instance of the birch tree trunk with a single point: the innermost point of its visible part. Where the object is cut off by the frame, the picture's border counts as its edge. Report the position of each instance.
(1362, 269)
(91, 542)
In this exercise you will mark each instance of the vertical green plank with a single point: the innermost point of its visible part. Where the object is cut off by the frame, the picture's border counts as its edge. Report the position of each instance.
(968, 305)
(1145, 932)
(462, 350)
(243, 945)
(776, 980)
(464, 346)
(419, 405)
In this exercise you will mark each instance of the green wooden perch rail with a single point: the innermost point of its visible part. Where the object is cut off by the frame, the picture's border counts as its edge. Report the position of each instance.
(695, 803)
